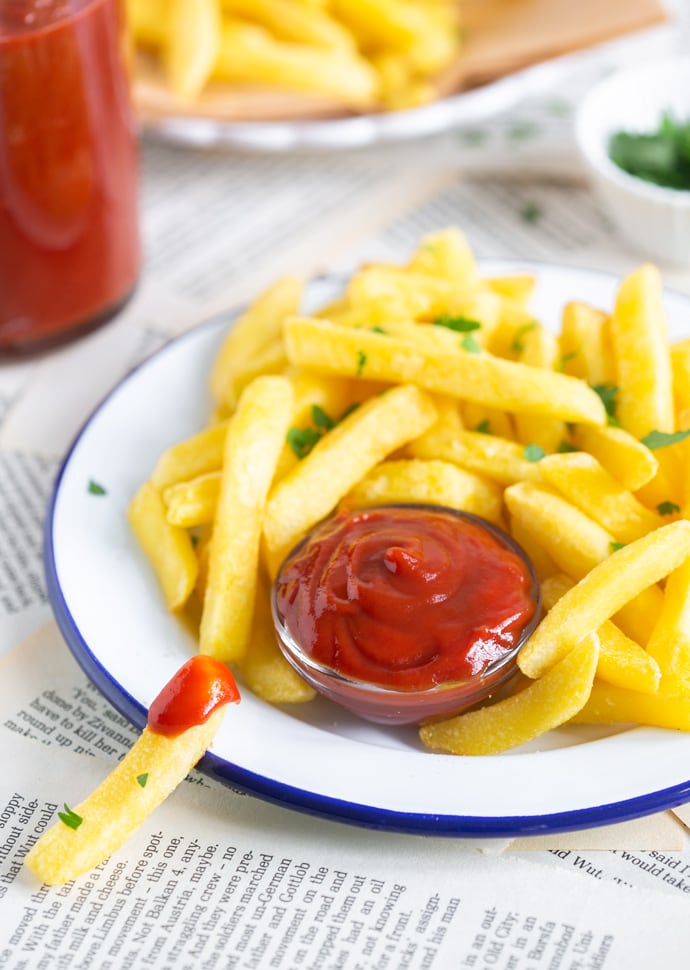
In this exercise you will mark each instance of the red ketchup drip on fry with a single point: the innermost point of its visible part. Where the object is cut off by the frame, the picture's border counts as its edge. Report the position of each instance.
(406, 597)
(200, 687)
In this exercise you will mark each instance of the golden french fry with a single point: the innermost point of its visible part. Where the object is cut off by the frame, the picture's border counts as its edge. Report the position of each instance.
(192, 44)
(624, 457)
(299, 24)
(446, 254)
(338, 461)
(483, 378)
(257, 329)
(616, 705)
(639, 334)
(540, 349)
(431, 482)
(602, 592)
(249, 54)
(669, 643)
(264, 668)
(188, 459)
(622, 661)
(680, 369)
(517, 288)
(252, 448)
(585, 344)
(86, 835)
(495, 458)
(191, 504)
(147, 22)
(543, 705)
(168, 548)
(584, 482)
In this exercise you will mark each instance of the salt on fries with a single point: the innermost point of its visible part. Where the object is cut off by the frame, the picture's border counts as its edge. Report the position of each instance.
(355, 53)
(394, 393)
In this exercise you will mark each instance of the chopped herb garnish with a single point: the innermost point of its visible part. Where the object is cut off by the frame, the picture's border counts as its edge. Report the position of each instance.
(469, 344)
(320, 418)
(662, 439)
(523, 130)
(518, 344)
(608, 394)
(661, 157)
(194, 539)
(70, 818)
(361, 361)
(96, 489)
(378, 329)
(484, 427)
(564, 447)
(302, 440)
(566, 358)
(459, 324)
(534, 452)
(531, 213)
(667, 508)
(348, 410)
(615, 546)
(142, 779)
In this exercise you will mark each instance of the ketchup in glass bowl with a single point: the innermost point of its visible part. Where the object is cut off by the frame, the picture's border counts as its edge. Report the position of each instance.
(69, 238)
(405, 613)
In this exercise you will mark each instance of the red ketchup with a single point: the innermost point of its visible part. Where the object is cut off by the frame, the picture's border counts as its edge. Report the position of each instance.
(69, 241)
(199, 688)
(407, 597)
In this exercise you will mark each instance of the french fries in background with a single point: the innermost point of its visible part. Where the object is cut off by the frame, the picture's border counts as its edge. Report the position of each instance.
(429, 382)
(363, 54)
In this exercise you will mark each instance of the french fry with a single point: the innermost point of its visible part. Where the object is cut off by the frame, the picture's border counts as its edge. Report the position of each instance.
(263, 667)
(621, 661)
(539, 707)
(616, 705)
(192, 45)
(496, 458)
(622, 455)
(250, 54)
(483, 378)
(639, 334)
(585, 344)
(252, 448)
(188, 459)
(669, 643)
(256, 329)
(168, 548)
(585, 483)
(602, 593)
(295, 23)
(430, 482)
(193, 503)
(448, 255)
(540, 349)
(342, 457)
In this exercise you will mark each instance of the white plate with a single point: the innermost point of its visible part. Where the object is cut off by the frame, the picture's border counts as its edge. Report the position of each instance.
(316, 757)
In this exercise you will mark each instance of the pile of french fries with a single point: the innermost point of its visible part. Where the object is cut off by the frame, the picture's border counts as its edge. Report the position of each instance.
(431, 382)
(365, 54)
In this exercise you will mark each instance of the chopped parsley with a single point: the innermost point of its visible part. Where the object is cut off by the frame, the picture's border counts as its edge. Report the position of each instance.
(615, 546)
(531, 213)
(534, 452)
(361, 361)
(608, 394)
(484, 427)
(667, 508)
(70, 818)
(566, 358)
(320, 418)
(458, 324)
(661, 157)
(518, 344)
(469, 344)
(662, 439)
(142, 779)
(378, 329)
(564, 447)
(302, 440)
(95, 489)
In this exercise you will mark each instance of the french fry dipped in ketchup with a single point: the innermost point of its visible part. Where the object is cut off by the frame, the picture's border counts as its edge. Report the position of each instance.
(183, 720)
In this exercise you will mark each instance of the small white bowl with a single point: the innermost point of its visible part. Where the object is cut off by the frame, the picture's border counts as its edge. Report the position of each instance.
(654, 219)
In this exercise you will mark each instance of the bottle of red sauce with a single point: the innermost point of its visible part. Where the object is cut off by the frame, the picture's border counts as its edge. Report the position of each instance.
(69, 239)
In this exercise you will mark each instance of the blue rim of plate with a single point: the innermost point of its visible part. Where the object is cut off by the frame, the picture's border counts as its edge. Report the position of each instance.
(299, 799)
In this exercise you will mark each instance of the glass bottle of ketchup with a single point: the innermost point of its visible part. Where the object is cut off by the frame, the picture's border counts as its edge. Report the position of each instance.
(69, 238)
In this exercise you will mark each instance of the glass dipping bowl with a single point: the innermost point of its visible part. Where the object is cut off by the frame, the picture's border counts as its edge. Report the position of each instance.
(396, 706)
